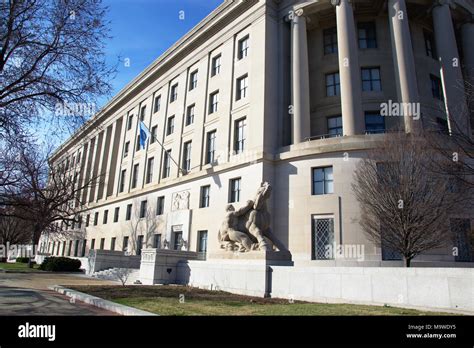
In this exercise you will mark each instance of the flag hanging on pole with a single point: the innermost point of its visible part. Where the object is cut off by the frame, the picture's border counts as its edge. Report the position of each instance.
(144, 134)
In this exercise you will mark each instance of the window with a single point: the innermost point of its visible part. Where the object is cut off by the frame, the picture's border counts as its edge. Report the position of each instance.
(234, 190)
(84, 245)
(76, 248)
(125, 244)
(374, 123)
(205, 192)
(139, 244)
(430, 46)
(105, 217)
(143, 207)
(112, 243)
(461, 229)
(211, 147)
(187, 156)
(193, 80)
(142, 113)
(367, 35)
(128, 216)
(130, 122)
(333, 86)
(126, 148)
(92, 244)
(436, 88)
(242, 87)
(157, 105)
(322, 236)
(371, 80)
(135, 175)
(174, 93)
(102, 243)
(116, 214)
(78, 158)
(202, 242)
(330, 40)
(239, 136)
(154, 129)
(214, 100)
(149, 170)
(335, 126)
(323, 181)
(216, 65)
(88, 217)
(167, 164)
(160, 205)
(122, 180)
(177, 240)
(137, 145)
(157, 241)
(96, 218)
(243, 47)
(170, 125)
(190, 115)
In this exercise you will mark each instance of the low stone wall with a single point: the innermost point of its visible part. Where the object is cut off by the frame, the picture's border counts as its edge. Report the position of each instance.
(99, 260)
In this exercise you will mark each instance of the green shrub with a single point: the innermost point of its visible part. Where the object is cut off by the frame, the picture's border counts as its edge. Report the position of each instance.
(60, 264)
(22, 259)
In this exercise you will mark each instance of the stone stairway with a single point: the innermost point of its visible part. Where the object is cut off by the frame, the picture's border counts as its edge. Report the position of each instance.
(115, 274)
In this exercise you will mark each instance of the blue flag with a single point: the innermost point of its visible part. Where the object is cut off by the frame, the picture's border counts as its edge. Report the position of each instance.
(144, 134)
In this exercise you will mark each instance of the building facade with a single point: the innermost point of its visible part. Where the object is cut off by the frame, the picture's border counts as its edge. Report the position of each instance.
(288, 92)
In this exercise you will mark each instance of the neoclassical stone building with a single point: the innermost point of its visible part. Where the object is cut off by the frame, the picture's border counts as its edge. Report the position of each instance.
(282, 91)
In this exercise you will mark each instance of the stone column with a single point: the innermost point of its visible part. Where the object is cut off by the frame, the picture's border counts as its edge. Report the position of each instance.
(468, 49)
(349, 70)
(451, 74)
(300, 78)
(403, 59)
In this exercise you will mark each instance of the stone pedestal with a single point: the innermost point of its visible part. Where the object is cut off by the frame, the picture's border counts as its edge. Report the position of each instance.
(281, 258)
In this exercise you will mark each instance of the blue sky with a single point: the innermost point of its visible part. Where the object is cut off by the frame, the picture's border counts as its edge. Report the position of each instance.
(143, 29)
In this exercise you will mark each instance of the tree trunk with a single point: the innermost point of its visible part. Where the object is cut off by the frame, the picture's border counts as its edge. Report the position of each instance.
(406, 261)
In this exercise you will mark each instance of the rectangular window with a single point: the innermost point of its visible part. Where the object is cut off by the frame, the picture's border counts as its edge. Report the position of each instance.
(139, 244)
(177, 240)
(371, 81)
(216, 65)
(130, 122)
(322, 236)
(126, 148)
(170, 125)
(374, 123)
(149, 170)
(202, 242)
(76, 248)
(160, 205)
(243, 47)
(239, 135)
(102, 243)
(142, 113)
(190, 115)
(334, 126)
(242, 87)
(84, 246)
(157, 105)
(330, 40)
(105, 217)
(461, 229)
(122, 180)
(430, 46)
(205, 195)
(88, 218)
(92, 244)
(112, 243)
(157, 241)
(193, 80)
(137, 144)
(135, 176)
(96, 218)
(436, 87)
(116, 214)
(323, 181)
(125, 244)
(128, 216)
(367, 35)
(154, 129)
(187, 156)
(234, 190)
(167, 164)
(143, 209)
(211, 147)
(213, 102)
(174, 93)
(333, 85)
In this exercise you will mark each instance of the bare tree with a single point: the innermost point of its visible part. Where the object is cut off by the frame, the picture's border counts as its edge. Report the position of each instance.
(141, 224)
(404, 207)
(13, 231)
(52, 52)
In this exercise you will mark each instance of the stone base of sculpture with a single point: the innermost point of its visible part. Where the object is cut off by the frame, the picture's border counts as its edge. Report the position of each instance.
(259, 256)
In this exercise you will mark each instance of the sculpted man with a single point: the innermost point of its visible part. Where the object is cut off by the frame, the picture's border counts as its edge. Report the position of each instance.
(229, 232)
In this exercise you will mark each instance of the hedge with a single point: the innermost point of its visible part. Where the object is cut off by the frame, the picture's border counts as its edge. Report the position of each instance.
(22, 259)
(60, 264)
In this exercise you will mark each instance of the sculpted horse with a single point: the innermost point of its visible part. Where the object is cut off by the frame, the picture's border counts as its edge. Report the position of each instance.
(249, 227)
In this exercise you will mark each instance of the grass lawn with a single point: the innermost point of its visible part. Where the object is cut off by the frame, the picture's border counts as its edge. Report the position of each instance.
(165, 300)
(18, 267)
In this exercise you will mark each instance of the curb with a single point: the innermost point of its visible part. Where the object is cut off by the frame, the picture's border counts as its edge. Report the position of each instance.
(100, 302)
